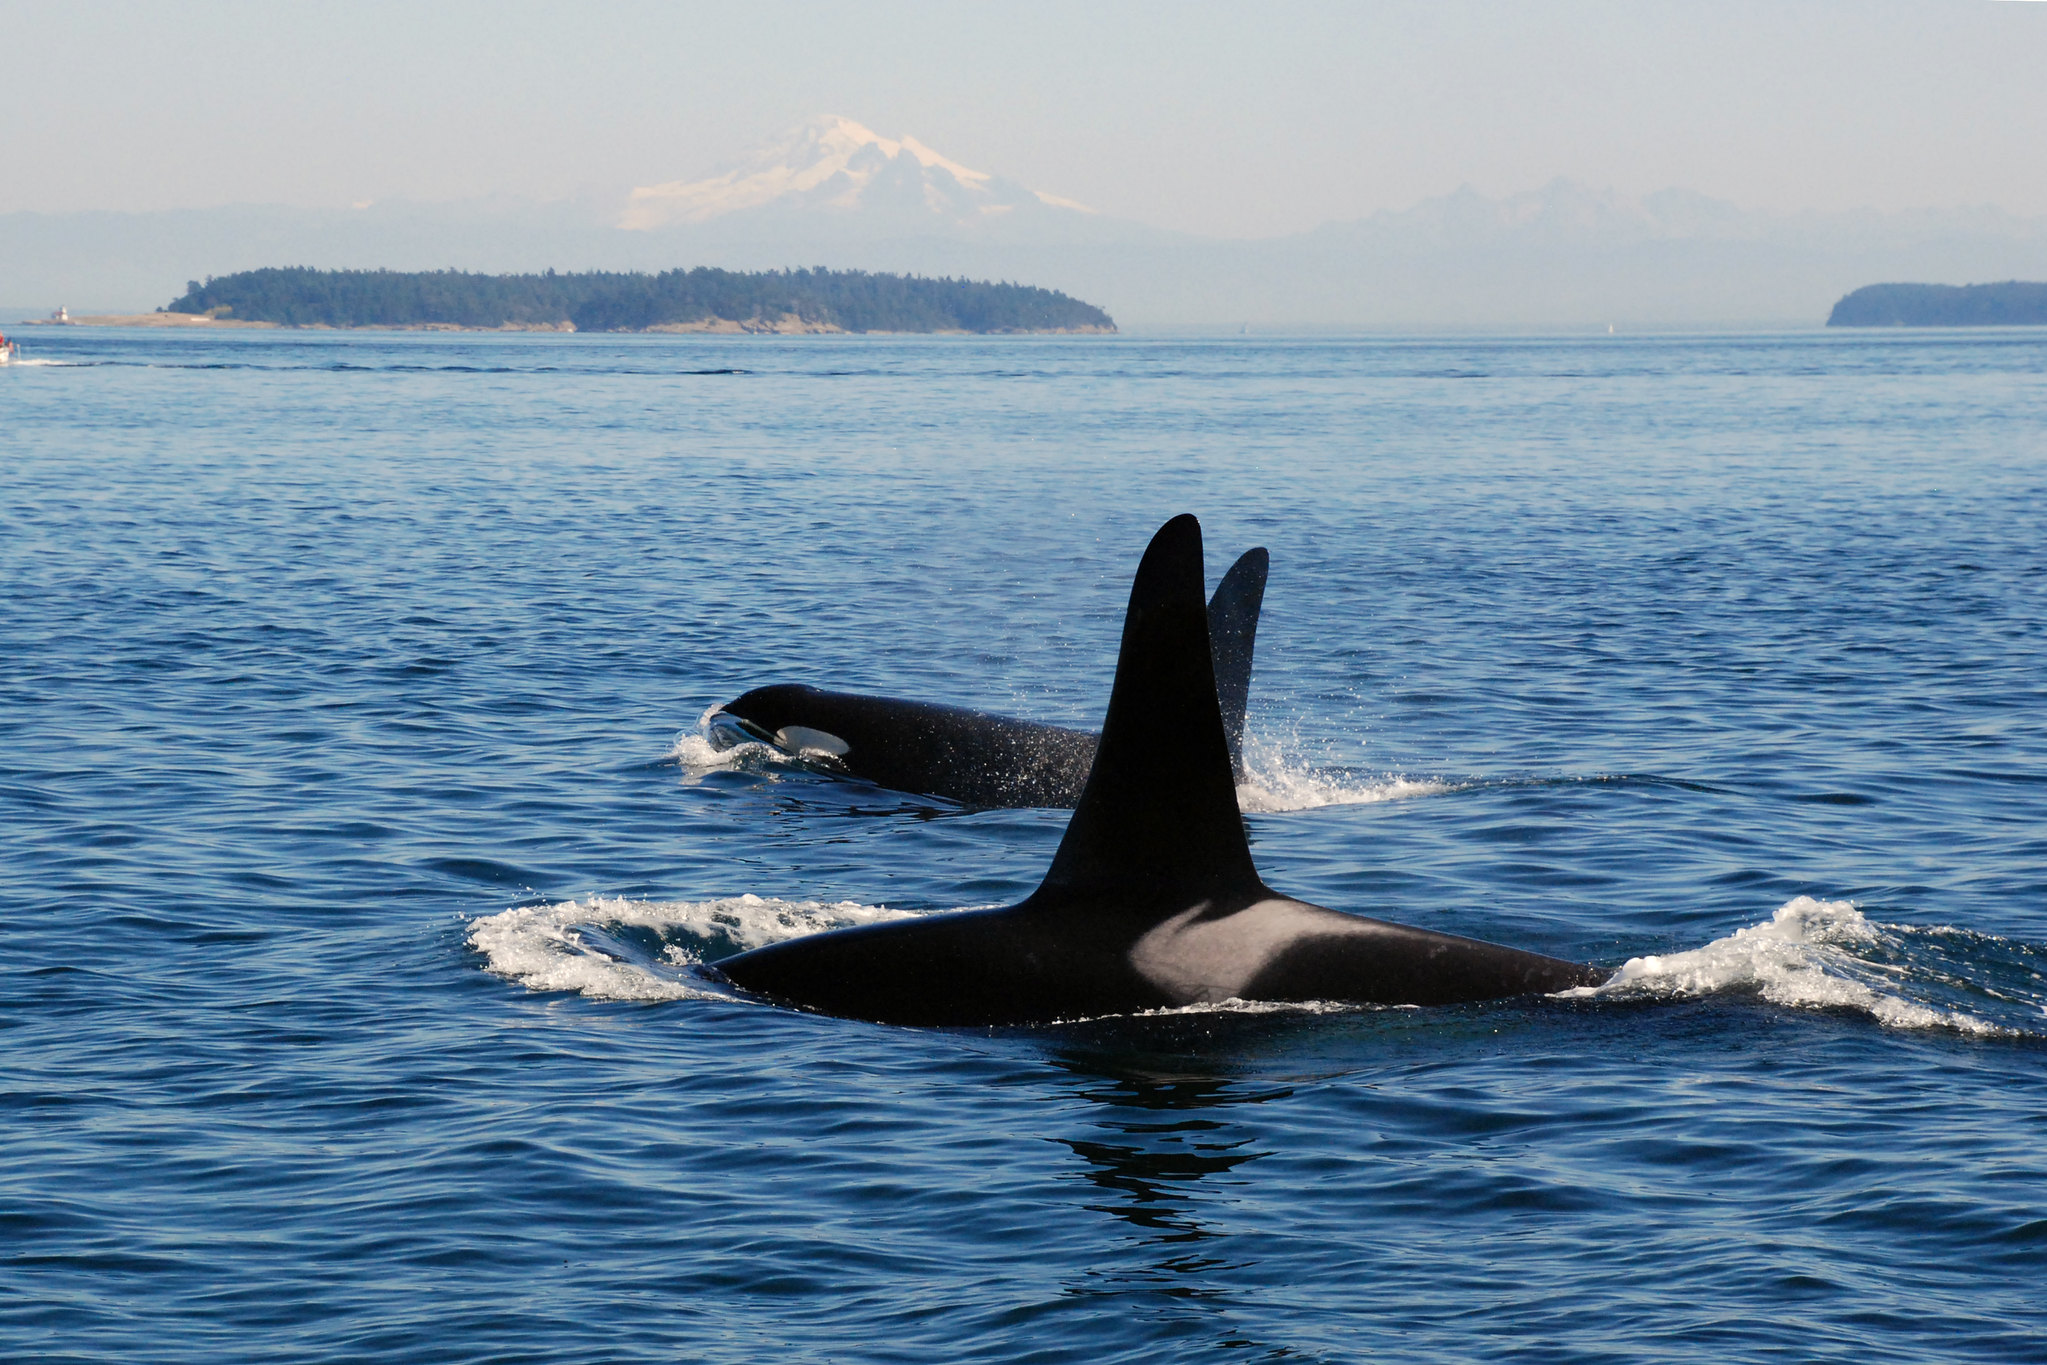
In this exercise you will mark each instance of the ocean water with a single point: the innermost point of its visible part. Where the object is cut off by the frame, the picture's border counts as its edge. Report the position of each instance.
(358, 850)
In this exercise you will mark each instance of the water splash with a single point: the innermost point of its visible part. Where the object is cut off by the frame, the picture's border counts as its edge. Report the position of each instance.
(1274, 781)
(1811, 954)
(613, 948)
(698, 755)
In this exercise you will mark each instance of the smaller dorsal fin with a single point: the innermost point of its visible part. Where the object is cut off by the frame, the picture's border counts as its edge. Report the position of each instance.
(1232, 637)
(1158, 819)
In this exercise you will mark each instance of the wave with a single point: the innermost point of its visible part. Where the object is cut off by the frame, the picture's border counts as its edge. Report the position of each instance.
(1826, 955)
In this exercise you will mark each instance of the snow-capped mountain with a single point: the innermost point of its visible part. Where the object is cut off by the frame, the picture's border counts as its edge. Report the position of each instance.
(832, 167)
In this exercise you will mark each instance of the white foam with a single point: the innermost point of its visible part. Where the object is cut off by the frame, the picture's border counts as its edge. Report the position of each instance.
(1800, 958)
(1238, 1005)
(697, 756)
(550, 947)
(1273, 782)
(695, 752)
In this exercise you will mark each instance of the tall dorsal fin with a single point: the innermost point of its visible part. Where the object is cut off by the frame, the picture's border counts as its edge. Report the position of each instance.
(1232, 637)
(1158, 819)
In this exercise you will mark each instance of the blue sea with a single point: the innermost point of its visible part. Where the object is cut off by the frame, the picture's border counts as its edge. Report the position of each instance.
(359, 849)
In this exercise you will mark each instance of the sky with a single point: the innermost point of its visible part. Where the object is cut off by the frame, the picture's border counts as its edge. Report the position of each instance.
(1246, 119)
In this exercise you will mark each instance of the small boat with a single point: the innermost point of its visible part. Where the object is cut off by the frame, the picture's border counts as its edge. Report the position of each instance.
(10, 351)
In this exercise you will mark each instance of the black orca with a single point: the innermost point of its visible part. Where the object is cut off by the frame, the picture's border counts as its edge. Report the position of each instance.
(971, 756)
(1152, 900)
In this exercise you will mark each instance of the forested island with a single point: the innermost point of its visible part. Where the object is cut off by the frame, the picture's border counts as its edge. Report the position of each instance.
(699, 300)
(2011, 304)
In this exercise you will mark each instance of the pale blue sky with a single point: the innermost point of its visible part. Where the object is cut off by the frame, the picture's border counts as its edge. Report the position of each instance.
(1240, 119)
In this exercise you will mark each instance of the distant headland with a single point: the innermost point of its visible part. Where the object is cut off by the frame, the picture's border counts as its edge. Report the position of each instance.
(700, 300)
(2011, 304)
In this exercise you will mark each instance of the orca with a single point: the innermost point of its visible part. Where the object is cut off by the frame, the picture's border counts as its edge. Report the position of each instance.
(1152, 900)
(974, 757)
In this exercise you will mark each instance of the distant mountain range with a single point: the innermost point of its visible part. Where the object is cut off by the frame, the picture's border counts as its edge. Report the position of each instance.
(834, 193)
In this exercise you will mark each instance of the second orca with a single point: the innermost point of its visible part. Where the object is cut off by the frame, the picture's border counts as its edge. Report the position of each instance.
(974, 757)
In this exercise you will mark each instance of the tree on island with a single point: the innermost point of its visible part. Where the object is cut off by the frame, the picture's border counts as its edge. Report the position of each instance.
(2015, 303)
(604, 301)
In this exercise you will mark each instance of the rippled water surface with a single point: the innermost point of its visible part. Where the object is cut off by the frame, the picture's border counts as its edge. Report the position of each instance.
(359, 849)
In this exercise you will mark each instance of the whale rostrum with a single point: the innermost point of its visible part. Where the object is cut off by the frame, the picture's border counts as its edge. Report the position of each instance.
(1152, 900)
(975, 757)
